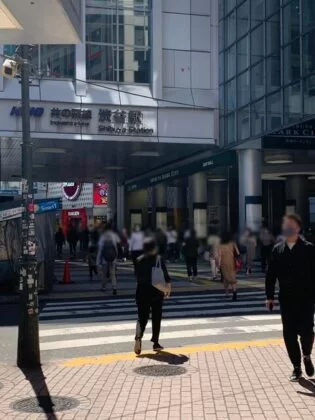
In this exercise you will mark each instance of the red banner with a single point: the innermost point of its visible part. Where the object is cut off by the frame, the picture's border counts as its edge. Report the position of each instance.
(100, 194)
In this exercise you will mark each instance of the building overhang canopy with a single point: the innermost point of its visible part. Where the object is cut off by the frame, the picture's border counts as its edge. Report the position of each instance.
(41, 21)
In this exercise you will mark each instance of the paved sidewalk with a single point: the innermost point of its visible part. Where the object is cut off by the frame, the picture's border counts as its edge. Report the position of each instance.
(223, 381)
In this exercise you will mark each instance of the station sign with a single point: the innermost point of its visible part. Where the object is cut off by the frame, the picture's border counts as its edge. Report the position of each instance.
(16, 111)
(111, 121)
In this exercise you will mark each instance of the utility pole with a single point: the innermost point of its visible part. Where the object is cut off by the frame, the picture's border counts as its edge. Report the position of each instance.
(28, 336)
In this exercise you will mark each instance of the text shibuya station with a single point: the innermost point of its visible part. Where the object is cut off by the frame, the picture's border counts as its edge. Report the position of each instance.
(113, 122)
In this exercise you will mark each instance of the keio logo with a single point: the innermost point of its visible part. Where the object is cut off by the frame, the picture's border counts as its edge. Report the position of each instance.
(34, 111)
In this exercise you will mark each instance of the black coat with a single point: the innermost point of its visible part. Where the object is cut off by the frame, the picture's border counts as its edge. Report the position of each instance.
(190, 247)
(294, 269)
(143, 267)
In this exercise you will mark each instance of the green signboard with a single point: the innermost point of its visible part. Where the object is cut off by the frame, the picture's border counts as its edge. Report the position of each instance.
(205, 164)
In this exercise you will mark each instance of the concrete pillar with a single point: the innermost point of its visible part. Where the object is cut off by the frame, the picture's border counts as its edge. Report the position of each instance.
(217, 200)
(198, 185)
(120, 207)
(297, 200)
(250, 189)
(180, 206)
(161, 206)
(112, 202)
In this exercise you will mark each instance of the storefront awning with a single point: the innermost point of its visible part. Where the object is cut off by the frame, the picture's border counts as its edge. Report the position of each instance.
(40, 22)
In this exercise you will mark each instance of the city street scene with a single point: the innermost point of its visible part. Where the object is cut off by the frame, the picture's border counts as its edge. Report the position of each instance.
(157, 209)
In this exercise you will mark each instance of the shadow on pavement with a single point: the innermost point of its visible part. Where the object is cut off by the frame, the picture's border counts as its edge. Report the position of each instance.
(308, 384)
(38, 382)
(166, 357)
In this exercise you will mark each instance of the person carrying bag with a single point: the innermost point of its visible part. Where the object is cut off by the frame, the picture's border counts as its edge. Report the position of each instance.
(153, 285)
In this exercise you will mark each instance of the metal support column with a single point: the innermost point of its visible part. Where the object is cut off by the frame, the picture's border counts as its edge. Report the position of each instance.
(28, 335)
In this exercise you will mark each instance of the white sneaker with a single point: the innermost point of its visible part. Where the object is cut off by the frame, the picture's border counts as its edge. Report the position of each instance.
(189, 278)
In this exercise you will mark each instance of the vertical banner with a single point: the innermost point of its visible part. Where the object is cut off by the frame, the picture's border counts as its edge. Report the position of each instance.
(135, 219)
(290, 207)
(161, 220)
(100, 194)
(253, 212)
(200, 223)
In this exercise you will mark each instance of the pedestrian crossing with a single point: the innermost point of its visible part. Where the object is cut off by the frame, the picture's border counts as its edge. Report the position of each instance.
(71, 328)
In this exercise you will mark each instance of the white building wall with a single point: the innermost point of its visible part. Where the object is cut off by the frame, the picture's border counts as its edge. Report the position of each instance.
(184, 53)
(190, 51)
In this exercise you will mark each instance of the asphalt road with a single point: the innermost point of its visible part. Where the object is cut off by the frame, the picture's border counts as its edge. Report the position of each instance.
(74, 328)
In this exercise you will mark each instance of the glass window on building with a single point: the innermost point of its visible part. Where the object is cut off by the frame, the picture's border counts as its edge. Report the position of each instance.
(258, 80)
(292, 103)
(229, 4)
(273, 64)
(221, 67)
(243, 19)
(291, 65)
(272, 6)
(258, 125)
(56, 61)
(273, 34)
(291, 19)
(230, 29)
(230, 96)
(230, 62)
(243, 130)
(257, 44)
(257, 12)
(231, 130)
(308, 9)
(243, 54)
(118, 41)
(309, 96)
(309, 53)
(243, 89)
(222, 131)
(274, 111)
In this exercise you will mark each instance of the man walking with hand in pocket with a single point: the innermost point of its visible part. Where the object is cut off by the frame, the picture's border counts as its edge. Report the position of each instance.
(292, 263)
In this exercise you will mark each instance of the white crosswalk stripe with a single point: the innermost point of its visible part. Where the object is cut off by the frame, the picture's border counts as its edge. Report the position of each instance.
(93, 324)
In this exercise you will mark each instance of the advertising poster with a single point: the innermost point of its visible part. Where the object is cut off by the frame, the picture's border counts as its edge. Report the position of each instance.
(100, 194)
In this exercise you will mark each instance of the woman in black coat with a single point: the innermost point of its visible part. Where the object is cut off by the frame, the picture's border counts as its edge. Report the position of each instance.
(148, 297)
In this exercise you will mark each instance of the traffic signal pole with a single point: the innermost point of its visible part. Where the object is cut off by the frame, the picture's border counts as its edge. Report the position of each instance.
(28, 334)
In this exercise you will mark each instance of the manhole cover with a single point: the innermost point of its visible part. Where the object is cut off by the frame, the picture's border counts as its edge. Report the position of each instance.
(45, 404)
(160, 370)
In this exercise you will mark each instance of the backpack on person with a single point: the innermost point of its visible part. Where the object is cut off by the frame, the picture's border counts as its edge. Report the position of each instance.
(109, 251)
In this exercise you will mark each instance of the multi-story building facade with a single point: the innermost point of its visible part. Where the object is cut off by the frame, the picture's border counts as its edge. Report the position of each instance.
(267, 104)
(140, 92)
(138, 104)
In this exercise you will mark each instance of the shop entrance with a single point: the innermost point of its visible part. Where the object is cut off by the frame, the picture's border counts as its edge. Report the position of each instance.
(78, 217)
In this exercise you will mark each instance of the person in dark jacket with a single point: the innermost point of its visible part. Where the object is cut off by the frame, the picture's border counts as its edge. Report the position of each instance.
(148, 297)
(161, 240)
(292, 263)
(72, 238)
(190, 252)
(60, 241)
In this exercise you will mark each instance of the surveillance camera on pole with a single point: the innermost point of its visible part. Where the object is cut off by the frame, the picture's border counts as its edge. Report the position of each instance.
(10, 68)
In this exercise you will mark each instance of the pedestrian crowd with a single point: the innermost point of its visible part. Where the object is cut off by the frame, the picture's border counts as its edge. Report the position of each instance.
(286, 258)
